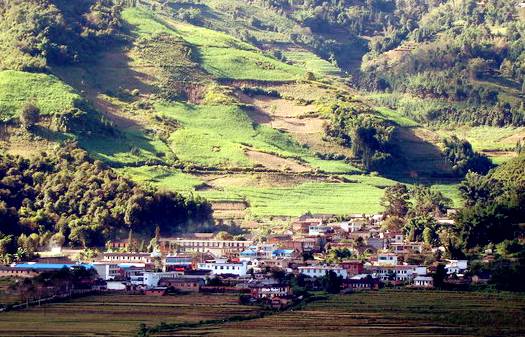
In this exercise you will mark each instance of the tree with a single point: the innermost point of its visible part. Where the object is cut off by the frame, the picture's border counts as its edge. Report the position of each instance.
(439, 276)
(29, 115)
(430, 236)
(331, 282)
(223, 235)
(428, 201)
(132, 244)
(396, 200)
(476, 188)
(392, 223)
(6, 245)
(58, 239)
(463, 158)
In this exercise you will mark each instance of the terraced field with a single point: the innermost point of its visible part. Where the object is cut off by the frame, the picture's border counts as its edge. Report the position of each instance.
(117, 315)
(387, 313)
(208, 123)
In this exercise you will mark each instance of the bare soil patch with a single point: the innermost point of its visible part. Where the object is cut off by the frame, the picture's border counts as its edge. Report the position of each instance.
(275, 162)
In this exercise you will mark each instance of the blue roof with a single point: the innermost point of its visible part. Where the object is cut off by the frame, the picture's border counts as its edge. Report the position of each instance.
(282, 252)
(248, 252)
(178, 259)
(51, 265)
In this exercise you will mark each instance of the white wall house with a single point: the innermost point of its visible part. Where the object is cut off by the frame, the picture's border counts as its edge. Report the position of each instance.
(218, 248)
(316, 230)
(320, 271)
(128, 258)
(402, 273)
(423, 282)
(151, 279)
(106, 270)
(222, 267)
(456, 266)
(386, 259)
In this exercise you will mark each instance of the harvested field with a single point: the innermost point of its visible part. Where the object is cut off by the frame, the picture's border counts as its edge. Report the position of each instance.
(388, 313)
(117, 315)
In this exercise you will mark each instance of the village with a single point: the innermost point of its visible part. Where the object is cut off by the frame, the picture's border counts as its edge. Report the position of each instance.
(316, 252)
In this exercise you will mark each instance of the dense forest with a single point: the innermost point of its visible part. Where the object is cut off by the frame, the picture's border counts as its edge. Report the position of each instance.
(67, 198)
(35, 34)
(461, 57)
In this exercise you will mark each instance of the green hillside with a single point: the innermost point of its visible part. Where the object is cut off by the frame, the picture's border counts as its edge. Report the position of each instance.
(47, 92)
(267, 102)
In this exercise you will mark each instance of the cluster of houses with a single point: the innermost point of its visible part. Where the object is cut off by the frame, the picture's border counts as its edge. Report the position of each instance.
(202, 263)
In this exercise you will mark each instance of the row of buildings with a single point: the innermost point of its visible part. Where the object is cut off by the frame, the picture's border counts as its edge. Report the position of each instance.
(201, 262)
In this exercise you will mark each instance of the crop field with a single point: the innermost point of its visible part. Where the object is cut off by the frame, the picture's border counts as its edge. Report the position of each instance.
(281, 194)
(5, 296)
(322, 197)
(217, 135)
(487, 138)
(47, 92)
(387, 313)
(220, 135)
(131, 147)
(117, 315)
(220, 54)
(312, 62)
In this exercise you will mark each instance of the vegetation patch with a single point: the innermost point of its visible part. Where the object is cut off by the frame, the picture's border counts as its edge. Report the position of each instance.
(46, 92)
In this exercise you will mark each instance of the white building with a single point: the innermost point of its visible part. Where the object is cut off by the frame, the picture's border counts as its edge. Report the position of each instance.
(128, 258)
(316, 230)
(401, 273)
(352, 226)
(107, 270)
(218, 248)
(423, 282)
(386, 259)
(257, 252)
(222, 267)
(320, 271)
(456, 266)
(151, 279)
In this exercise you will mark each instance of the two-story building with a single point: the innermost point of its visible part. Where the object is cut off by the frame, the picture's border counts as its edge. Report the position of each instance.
(217, 248)
(128, 258)
(317, 271)
(223, 267)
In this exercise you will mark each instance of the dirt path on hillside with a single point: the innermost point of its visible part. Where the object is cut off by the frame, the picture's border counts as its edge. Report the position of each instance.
(519, 136)
(275, 162)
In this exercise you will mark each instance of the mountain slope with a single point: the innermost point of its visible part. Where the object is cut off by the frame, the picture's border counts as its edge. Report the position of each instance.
(197, 110)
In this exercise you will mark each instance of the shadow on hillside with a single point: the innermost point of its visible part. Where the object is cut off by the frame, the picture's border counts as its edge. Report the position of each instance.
(114, 75)
(419, 160)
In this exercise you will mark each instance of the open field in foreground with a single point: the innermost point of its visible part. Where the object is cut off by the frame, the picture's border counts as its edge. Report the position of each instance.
(388, 313)
(117, 315)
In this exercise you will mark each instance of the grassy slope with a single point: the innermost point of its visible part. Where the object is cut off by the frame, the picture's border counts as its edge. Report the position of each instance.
(216, 135)
(233, 16)
(46, 91)
(131, 147)
(220, 54)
